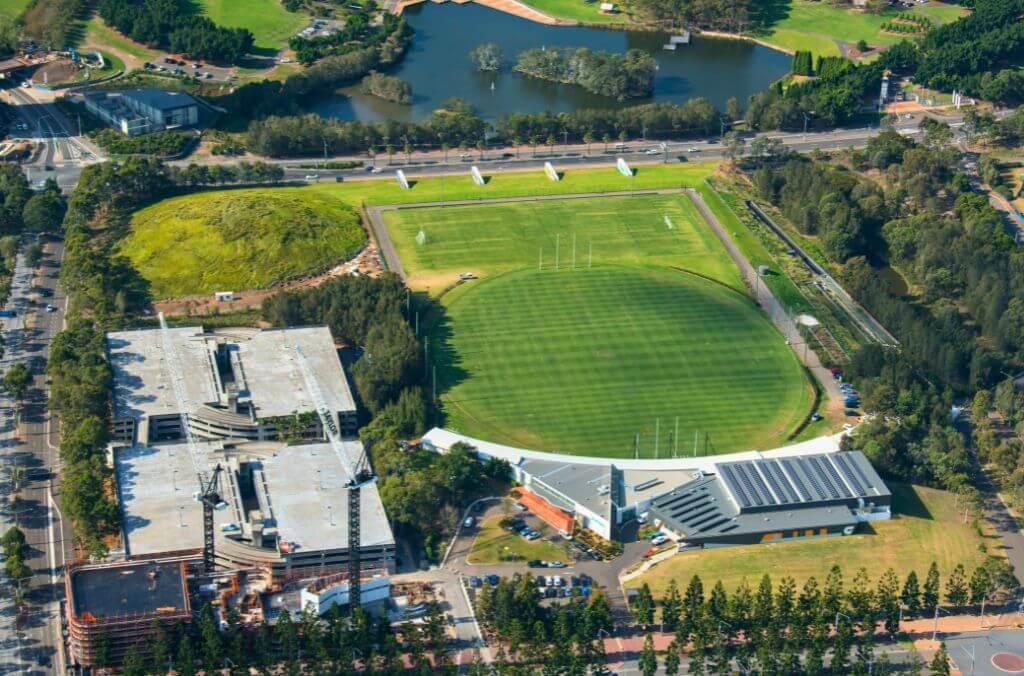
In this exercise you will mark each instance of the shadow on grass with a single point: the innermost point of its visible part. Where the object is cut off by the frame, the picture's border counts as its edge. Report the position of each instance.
(906, 502)
(764, 15)
(442, 358)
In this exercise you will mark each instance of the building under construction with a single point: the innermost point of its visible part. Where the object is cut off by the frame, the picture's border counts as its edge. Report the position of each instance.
(241, 384)
(112, 607)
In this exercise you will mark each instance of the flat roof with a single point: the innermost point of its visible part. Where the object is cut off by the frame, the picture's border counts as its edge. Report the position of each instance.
(156, 483)
(155, 486)
(310, 502)
(136, 587)
(271, 376)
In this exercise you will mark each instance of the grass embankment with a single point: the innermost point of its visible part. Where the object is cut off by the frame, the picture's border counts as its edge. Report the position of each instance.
(926, 527)
(270, 23)
(494, 544)
(819, 27)
(98, 35)
(239, 239)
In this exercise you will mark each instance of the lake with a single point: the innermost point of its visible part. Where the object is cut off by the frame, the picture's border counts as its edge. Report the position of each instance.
(438, 67)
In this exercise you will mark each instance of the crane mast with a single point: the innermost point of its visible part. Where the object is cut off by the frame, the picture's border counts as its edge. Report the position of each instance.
(358, 474)
(208, 481)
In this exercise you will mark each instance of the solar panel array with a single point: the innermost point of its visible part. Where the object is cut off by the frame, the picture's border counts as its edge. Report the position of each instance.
(801, 480)
(696, 509)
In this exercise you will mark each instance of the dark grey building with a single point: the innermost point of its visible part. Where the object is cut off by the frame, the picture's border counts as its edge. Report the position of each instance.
(768, 500)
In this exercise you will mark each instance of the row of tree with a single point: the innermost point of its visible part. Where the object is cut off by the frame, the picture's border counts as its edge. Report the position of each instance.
(455, 123)
(780, 630)
(175, 25)
(304, 644)
(617, 76)
(51, 22)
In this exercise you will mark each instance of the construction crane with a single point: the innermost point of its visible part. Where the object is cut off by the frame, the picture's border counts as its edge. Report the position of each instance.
(358, 474)
(209, 491)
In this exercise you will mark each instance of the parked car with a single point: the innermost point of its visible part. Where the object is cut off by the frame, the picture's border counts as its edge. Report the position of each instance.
(549, 581)
(556, 564)
(493, 579)
(533, 536)
(469, 522)
(659, 540)
(474, 581)
(536, 563)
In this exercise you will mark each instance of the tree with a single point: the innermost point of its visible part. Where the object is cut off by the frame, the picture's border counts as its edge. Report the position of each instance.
(643, 606)
(910, 597)
(940, 663)
(735, 146)
(671, 607)
(487, 56)
(648, 658)
(930, 591)
(17, 379)
(672, 659)
(956, 587)
(44, 211)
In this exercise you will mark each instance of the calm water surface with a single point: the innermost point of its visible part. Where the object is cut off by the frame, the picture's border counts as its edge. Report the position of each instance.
(438, 67)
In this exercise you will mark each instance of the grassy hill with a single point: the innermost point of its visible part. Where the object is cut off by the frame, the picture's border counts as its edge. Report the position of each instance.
(271, 24)
(239, 239)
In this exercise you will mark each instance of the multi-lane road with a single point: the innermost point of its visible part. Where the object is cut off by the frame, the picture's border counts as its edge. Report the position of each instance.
(30, 640)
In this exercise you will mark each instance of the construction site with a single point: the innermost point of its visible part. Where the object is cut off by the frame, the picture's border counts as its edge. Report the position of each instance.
(240, 484)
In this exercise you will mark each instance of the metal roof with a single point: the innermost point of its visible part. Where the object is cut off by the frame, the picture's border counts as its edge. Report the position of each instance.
(803, 481)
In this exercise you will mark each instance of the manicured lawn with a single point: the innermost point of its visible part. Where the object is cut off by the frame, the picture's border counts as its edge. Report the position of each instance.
(271, 24)
(10, 9)
(818, 25)
(98, 34)
(516, 183)
(581, 361)
(926, 527)
(578, 10)
(494, 544)
(494, 238)
(239, 239)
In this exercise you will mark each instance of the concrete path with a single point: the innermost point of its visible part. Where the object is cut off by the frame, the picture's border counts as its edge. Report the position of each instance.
(766, 299)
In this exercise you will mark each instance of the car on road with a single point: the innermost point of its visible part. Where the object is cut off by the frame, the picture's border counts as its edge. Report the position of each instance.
(312, 177)
(652, 151)
(659, 540)
(691, 149)
(556, 564)
(51, 308)
(468, 522)
(535, 563)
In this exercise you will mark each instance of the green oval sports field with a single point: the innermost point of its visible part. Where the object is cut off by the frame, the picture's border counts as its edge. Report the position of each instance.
(580, 361)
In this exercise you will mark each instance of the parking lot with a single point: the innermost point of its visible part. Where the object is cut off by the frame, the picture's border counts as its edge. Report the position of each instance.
(175, 65)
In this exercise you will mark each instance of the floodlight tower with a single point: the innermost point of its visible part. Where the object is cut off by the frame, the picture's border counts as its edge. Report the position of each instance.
(208, 493)
(359, 473)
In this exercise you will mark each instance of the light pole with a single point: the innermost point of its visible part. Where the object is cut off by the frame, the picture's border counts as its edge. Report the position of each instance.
(935, 628)
(807, 118)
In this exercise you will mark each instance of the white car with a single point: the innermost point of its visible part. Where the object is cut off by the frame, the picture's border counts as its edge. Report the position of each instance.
(652, 151)
(660, 540)
(691, 149)
(312, 177)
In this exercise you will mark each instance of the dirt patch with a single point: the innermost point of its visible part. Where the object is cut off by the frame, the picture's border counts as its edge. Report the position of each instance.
(366, 263)
(56, 72)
